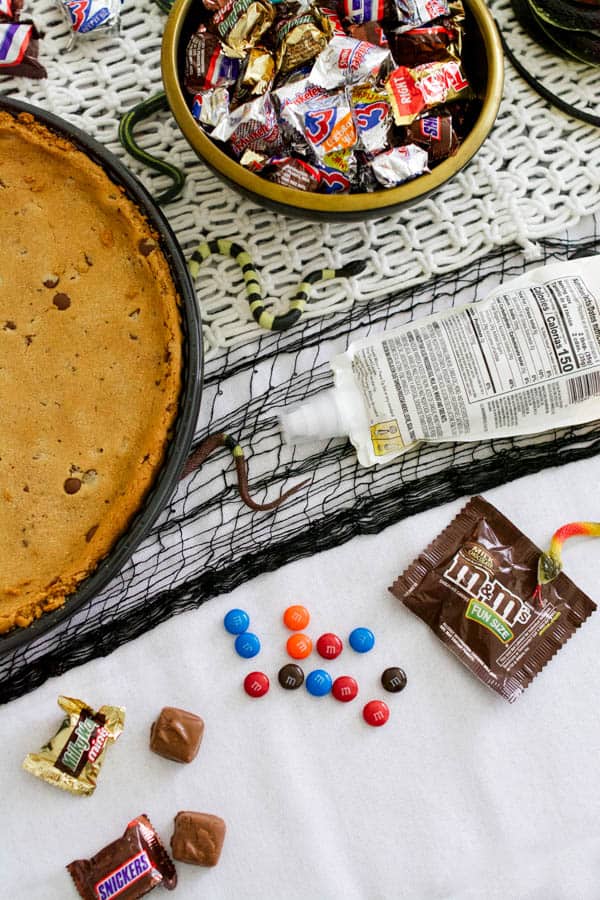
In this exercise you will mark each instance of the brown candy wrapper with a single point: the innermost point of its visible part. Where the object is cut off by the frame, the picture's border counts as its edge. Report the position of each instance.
(427, 44)
(129, 868)
(436, 134)
(71, 760)
(473, 586)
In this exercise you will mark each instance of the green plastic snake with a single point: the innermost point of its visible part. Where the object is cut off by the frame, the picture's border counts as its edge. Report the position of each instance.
(221, 439)
(252, 283)
(142, 111)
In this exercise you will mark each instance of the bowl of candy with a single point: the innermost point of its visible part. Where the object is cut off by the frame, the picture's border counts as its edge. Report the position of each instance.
(334, 112)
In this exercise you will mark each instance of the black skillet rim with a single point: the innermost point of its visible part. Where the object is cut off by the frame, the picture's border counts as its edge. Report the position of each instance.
(189, 399)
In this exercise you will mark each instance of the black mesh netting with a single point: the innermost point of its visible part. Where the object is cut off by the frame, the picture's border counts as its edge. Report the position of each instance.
(206, 542)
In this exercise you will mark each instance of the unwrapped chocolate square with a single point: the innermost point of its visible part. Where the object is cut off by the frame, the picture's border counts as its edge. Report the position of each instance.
(198, 838)
(176, 734)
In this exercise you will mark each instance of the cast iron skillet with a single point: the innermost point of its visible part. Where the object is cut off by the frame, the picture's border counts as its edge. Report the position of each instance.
(189, 400)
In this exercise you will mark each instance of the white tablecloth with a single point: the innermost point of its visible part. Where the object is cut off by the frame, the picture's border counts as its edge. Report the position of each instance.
(460, 795)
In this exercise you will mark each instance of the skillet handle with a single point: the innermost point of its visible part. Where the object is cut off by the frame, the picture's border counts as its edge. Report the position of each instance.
(139, 113)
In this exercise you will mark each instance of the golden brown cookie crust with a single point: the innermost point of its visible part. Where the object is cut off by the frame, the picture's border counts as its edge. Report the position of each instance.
(90, 366)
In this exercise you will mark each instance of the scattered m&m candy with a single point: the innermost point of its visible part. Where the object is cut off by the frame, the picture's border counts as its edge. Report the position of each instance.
(296, 618)
(344, 688)
(394, 679)
(236, 621)
(256, 684)
(299, 646)
(318, 682)
(362, 640)
(329, 646)
(247, 645)
(290, 677)
(376, 713)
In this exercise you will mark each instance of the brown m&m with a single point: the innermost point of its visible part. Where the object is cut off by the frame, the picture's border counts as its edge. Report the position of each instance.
(176, 734)
(198, 838)
(394, 679)
(291, 677)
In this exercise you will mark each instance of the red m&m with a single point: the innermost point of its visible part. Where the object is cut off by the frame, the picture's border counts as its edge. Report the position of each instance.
(344, 688)
(376, 713)
(329, 646)
(256, 684)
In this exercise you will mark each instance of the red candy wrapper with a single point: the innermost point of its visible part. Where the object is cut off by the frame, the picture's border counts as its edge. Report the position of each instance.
(412, 91)
(130, 867)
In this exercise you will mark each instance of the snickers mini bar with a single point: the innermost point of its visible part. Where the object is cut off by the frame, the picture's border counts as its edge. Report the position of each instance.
(71, 760)
(127, 868)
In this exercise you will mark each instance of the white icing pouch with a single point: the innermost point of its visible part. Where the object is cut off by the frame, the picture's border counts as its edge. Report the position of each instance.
(523, 361)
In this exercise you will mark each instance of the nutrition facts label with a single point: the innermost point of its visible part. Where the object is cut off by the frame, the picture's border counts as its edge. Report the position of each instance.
(508, 365)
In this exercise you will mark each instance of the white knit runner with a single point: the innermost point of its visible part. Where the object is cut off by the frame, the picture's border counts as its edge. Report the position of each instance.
(533, 177)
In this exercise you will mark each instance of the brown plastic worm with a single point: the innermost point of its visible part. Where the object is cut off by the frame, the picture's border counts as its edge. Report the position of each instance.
(221, 439)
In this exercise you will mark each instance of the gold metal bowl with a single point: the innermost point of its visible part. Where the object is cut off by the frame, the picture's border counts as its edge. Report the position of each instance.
(483, 63)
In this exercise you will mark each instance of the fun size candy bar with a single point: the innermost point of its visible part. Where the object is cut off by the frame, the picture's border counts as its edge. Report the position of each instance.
(412, 91)
(211, 107)
(298, 40)
(241, 23)
(436, 134)
(71, 760)
(399, 164)
(348, 61)
(10, 9)
(413, 13)
(89, 16)
(368, 10)
(372, 117)
(19, 47)
(206, 65)
(252, 126)
(130, 867)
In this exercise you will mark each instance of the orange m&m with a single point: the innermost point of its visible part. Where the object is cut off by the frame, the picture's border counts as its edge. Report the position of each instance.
(296, 618)
(299, 646)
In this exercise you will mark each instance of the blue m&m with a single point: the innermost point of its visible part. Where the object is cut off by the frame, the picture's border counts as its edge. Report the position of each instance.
(236, 621)
(362, 640)
(247, 645)
(318, 683)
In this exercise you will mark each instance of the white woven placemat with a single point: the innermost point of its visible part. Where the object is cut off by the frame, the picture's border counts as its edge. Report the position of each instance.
(534, 176)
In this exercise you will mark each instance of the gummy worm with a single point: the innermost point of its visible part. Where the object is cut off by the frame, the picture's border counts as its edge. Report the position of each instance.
(220, 439)
(550, 563)
(142, 111)
(253, 289)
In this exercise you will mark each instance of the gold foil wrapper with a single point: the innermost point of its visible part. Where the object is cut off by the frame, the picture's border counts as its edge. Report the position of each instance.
(299, 41)
(241, 24)
(259, 74)
(72, 758)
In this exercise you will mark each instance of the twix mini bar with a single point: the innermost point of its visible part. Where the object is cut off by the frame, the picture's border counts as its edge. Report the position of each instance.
(474, 584)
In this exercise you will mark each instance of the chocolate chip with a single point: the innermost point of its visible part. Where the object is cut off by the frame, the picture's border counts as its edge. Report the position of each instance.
(146, 246)
(9, 326)
(394, 679)
(72, 485)
(50, 281)
(90, 533)
(290, 677)
(61, 301)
